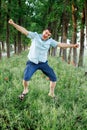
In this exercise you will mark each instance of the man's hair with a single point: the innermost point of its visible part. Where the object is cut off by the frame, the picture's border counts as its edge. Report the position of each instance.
(49, 28)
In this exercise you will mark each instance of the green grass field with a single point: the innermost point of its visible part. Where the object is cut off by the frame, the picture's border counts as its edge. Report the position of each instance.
(38, 111)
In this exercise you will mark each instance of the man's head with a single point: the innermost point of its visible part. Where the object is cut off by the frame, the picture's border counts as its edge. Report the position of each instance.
(46, 34)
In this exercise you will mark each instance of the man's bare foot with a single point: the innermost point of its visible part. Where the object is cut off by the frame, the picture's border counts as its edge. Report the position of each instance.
(51, 95)
(25, 91)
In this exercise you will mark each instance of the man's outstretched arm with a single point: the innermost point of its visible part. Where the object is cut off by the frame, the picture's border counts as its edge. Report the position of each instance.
(18, 27)
(64, 45)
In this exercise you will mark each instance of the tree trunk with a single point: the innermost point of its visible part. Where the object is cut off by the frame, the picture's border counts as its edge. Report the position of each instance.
(8, 30)
(0, 34)
(69, 56)
(7, 37)
(0, 18)
(0, 52)
(74, 35)
(86, 19)
(61, 50)
(64, 37)
(15, 44)
(0, 27)
(3, 48)
(81, 55)
(24, 46)
(19, 34)
(53, 51)
(55, 36)
(19, 43)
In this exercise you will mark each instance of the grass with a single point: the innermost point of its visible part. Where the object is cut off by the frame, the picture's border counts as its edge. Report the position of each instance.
(68, 111)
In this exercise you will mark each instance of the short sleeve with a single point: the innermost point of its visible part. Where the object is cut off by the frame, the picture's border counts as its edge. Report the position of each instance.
(31, 35)
(54, 43)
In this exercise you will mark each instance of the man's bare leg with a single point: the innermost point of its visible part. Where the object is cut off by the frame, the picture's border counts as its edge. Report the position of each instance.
(25, 84)
(52, 88)
(25, 91)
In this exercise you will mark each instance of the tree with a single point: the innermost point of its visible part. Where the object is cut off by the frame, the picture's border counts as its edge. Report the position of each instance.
(86, 19)
(81, 54)
(65, 22)
(8, 29)
(20, 23)
(0, 52)
(74, 35)
(0, 32)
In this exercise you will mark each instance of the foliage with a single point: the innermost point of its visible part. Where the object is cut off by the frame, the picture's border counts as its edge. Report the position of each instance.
(38, 111)
(36, 14)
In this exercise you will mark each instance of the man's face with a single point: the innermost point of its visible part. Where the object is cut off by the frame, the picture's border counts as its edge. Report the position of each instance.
(46, 34)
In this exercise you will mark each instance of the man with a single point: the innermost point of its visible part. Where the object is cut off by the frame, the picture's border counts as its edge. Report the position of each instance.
(38, 56)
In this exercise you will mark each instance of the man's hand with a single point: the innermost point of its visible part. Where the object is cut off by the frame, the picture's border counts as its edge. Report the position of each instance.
(75, 45)
(11, 21)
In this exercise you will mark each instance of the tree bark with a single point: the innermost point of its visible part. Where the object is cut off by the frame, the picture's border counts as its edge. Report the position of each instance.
(15, 44)
(19, 34)
(3, 48)
(0, 52)
(55, 36)
(0, 34)
(65, 29)
(86, 19)
(7, 37)
(74, 35)
(69, 55)
(81, 55)
(8, 29)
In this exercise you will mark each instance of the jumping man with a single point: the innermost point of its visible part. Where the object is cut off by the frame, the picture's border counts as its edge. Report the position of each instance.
(38, 56)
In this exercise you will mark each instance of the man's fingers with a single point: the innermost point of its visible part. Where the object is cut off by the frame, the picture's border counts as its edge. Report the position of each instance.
(10, 21)
(77, 45)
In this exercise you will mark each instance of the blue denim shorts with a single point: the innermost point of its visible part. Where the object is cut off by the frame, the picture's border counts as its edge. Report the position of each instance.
(31, 68)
